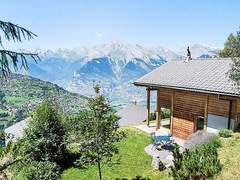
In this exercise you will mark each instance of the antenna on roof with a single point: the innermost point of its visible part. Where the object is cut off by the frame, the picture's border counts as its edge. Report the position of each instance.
(189, 57)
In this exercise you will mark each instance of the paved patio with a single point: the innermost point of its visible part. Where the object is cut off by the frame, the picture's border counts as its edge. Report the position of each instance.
(162, 131)
(166, 156)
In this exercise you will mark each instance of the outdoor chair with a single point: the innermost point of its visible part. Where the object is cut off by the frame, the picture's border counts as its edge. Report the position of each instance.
(161, 140)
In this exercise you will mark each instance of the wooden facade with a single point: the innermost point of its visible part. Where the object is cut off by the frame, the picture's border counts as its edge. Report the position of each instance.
(187, 106)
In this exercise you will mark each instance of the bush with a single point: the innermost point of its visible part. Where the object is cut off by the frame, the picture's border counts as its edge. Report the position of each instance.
(41, 170)
(153, 116)
(215, 142)
(225, 133)
(165, 113)
(199, 163)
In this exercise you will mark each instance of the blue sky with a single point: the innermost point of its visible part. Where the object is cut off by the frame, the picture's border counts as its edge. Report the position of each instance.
(168, 23)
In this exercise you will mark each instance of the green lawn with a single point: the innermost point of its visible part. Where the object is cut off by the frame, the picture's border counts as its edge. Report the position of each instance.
(229, 155)
(133, 161)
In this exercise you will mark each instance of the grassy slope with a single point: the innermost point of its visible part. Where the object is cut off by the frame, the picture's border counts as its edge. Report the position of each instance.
(133, 161)
(229, 155)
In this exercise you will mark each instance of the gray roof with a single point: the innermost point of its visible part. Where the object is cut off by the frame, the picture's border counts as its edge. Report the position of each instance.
(208, 76)
(16, 130)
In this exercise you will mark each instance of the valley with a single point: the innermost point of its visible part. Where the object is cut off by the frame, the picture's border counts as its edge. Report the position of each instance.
(19, 96)
(114, 65)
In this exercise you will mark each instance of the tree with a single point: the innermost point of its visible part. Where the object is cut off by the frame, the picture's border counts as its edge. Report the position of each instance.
(98, 132)
(43, 140)
(15, 33)
(231, 46)
(232, 50)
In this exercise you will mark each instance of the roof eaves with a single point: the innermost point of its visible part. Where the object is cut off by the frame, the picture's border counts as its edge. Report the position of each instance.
(187, 89)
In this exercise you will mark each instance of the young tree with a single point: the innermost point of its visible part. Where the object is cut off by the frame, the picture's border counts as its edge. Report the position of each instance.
(98, 132)
(15, 33)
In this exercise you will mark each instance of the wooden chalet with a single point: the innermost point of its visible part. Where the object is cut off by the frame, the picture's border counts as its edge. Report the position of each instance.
(198, 93)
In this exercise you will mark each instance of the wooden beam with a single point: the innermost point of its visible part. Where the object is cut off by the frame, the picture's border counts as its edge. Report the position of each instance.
(172, 108)
(230, 113)
(148, 106)
(206, 112)
(158, 115)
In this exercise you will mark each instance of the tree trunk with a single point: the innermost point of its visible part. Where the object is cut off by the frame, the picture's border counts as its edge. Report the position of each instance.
(99, 170)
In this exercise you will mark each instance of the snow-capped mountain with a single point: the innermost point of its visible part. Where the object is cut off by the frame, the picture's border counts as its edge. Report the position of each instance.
(115, 65)
(200, 51)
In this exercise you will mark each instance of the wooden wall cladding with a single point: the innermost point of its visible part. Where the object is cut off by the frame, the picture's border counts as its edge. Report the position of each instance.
(182, 128)
(165, 98)
(188, 105)
(218, 106)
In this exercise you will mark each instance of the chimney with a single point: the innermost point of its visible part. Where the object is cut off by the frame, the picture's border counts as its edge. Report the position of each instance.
(188, 55)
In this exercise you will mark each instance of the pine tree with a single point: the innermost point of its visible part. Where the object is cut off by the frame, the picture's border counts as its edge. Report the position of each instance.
(8, 58)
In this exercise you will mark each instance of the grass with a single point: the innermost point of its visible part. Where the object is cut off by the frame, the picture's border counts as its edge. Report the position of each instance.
(230, 157)
(15, 101)
(133, 161)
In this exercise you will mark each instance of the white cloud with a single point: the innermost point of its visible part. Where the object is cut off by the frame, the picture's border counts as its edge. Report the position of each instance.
(99, 34)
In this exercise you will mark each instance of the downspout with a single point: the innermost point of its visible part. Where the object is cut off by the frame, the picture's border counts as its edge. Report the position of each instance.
(230, 113)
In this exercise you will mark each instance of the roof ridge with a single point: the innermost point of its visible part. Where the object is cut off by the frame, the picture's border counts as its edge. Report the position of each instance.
(206, 59)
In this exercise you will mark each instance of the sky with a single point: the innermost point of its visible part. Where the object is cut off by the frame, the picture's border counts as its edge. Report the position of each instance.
(168, 23)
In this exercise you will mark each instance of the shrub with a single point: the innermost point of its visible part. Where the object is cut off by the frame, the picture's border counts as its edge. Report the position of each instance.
(215, 142)
(165, 113)
(41, 170)
(153, 116)
(199, 163)
(225, 133)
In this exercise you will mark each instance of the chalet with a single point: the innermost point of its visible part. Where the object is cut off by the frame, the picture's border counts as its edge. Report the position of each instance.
(198, 93)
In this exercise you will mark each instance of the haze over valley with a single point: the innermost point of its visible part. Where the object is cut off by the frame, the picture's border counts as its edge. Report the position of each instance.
(114, 65)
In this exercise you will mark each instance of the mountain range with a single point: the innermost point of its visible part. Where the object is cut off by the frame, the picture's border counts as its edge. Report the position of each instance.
(115, 65)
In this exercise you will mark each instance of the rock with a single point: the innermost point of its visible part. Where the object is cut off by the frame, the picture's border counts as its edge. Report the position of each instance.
(157, 164)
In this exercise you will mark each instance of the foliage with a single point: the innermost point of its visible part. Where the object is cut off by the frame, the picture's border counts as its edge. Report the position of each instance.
(231, 46)
(44, 138)
(131, 160)
(225, 133)
(15, 33)
(7, 159)
(41, 170)
(98, 131)
(234, 73)
(165, 113)
(43, 142)
(232, 49)
(199, 163)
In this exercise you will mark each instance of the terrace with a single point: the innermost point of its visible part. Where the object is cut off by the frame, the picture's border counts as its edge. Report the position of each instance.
(163, 152)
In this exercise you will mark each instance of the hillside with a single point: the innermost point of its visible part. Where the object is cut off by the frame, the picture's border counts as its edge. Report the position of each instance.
(20, 94)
